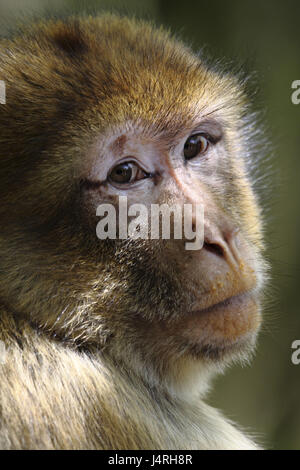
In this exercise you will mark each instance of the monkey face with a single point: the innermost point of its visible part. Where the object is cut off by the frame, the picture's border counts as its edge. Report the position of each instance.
(206, 301)
(149, 121)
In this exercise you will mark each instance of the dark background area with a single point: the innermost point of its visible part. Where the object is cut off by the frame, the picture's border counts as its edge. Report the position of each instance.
(264, 398)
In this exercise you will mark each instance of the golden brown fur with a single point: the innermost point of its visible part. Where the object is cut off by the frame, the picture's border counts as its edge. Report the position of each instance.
(91, 362)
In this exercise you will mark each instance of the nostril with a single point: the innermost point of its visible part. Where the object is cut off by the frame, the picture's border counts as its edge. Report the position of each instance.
(214, 248)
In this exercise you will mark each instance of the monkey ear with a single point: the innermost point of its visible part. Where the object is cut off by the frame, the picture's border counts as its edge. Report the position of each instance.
(69, 38)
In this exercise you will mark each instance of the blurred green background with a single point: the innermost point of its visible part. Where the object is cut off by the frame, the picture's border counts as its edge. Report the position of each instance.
(264, 398)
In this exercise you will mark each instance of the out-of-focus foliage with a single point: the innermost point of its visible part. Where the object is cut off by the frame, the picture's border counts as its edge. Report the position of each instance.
(265, 397)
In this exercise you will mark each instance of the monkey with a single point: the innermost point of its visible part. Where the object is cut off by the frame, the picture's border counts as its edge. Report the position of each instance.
(114, 343)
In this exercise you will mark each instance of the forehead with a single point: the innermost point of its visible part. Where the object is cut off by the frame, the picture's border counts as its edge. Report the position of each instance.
(164, 106)
(129, 70)
(81, 77)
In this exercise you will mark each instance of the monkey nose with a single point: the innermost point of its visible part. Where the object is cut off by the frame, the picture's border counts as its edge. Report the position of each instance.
(223, 244)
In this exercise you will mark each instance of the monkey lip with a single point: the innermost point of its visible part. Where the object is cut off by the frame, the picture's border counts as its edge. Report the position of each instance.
(227, 320)
(229, 302)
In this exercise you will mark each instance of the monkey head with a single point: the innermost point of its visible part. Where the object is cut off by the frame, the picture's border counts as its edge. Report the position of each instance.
(107, 107)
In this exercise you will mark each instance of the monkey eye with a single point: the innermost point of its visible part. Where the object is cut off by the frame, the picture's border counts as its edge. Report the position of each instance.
(196, 144)
(126, 173)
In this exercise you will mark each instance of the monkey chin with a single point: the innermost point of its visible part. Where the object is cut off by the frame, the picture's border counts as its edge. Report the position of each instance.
(226, 330)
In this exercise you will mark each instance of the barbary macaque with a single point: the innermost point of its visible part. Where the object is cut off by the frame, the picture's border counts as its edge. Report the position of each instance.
(112, 343)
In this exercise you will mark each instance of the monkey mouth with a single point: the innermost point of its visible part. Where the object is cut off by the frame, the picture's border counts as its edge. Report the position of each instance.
(223, 324)
(236, 301)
